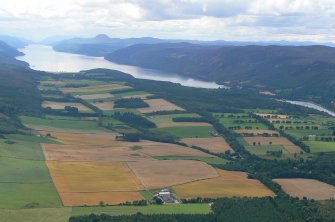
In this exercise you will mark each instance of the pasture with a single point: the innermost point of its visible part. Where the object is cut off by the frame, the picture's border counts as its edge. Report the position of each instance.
(228, 184)
(61, 214)
(213, 144)
(150, 209)
(312, 189)
(237, 121)
(104, 105)
(320, 146)
(167, 120)
(164, 173)
(94, 88)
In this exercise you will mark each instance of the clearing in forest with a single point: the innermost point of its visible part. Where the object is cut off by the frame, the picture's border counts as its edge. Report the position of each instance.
(310, 188)
(228, 184)
(213, 144)
(164, 173)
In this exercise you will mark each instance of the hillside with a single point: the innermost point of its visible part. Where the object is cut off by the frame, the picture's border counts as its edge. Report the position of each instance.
(303, 68)
(99, 45)
(14, 42)
(8, 54)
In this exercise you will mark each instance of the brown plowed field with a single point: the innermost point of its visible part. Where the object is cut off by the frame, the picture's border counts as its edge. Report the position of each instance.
(289, 146)
(159, 105)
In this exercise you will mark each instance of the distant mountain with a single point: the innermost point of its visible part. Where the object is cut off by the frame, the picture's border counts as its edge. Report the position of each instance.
(305, 68)
(54, 40)
(100, 45)
(8, 54)
(15, 42)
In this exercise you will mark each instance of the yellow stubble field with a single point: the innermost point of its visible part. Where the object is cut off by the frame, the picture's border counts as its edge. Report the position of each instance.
(228, 184)
(213, 144)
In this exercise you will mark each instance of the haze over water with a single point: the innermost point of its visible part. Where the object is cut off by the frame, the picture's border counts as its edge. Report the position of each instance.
(44, 58)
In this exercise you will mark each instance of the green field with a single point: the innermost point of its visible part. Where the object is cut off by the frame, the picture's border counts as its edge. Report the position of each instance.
(150, 209)
(209, 160)
(188, 132)
(62, 123)
(24, 177)
(320, 146)
(36, 215)
(169, 117)
(239, 121)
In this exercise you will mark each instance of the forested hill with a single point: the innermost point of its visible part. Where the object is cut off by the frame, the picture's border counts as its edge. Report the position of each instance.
(8, 54)
(275, 67)
(14, 42)
(99, 45)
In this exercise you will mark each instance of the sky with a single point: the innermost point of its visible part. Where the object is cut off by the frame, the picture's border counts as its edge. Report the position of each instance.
(232, 20)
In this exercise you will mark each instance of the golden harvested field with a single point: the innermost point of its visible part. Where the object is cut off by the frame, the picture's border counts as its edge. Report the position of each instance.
(95, 96)
(312, 189)
(78, 177)
(165, 149)
(159, 105)
(277, 116)
(97, 139)
(95, 88)
(180, 124)
(89, 153)
(213, 144)
(289, 146)
(228, 184)
(104, 105)
(91, 199)
(61, 105)
(257, 132)
(164, 173)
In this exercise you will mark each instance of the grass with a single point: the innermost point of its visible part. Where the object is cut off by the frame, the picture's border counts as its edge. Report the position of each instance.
(262, 149)
(229, 120)
(150, 209)
(18, 196)
(209, 160)
(302, 133)
(24, 177)
(188, 132)
(319, 146)
(66, 124)
(147, 195)
(36, 215)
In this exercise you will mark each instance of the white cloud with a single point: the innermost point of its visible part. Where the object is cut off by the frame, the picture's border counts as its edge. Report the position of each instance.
(246, 20)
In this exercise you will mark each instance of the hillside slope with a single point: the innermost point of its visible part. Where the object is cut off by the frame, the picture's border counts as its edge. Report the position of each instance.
(270, 67)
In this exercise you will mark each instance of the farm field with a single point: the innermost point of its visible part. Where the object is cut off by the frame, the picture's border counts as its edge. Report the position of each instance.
(164, 173)
(80, 183)
(62, 105)
(94, 88)
(60, 214)
(281, 141)
(209, 160)
(105, 106)
(257, 132)
(237, 121)
(60, 124)
(320, 146)
(213, 144)
(228, 184)
(95, 96)
(312, 189)
(151, 209)
(189, 131)
(159, 105)
(167, 120)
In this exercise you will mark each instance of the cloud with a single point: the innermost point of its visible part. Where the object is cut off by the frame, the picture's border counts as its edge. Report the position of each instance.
(246, 20)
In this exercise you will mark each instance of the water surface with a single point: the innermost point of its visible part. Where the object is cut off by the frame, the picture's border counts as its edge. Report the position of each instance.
(44, 58)
(310, 105)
